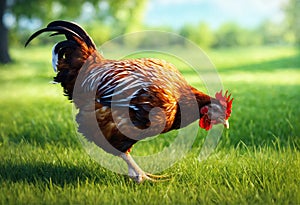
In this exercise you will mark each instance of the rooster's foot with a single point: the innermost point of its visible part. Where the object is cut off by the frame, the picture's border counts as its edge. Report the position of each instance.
(137, 174)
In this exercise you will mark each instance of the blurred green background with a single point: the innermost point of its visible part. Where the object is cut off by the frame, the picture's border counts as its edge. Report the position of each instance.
(210, 24)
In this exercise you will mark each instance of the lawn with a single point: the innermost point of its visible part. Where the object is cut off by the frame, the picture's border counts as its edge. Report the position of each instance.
(256, 162)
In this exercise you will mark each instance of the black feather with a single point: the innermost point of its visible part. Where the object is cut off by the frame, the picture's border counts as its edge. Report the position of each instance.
(61, 46)
(75, 28)
(69, 29)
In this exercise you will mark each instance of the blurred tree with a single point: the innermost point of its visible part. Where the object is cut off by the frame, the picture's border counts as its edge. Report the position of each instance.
(188, 31)
(4, 55)
(231, 35)
(293, 18)
(228, 35)
(271, 33)
(205, 36)
(129, 20)
(122, 15)
(201, 34)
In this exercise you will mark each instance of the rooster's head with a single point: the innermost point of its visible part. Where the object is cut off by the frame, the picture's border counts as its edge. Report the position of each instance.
(218, 111)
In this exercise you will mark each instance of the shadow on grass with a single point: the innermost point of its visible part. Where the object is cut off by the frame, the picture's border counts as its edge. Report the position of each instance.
(55, 174)
(292, 62)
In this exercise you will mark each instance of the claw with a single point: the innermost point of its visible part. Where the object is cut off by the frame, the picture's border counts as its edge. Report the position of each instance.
(150, 177)
(158, 176)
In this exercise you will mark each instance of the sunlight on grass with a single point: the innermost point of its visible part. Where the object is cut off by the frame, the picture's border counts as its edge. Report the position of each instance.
(232, 57)
(283, 77)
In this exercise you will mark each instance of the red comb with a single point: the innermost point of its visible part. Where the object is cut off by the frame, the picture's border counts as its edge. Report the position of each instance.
(226, 101)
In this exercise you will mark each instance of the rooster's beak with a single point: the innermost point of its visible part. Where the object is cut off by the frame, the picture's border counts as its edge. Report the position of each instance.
(226, 124)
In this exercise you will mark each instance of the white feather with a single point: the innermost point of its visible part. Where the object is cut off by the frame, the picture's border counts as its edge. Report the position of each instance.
(54, 58)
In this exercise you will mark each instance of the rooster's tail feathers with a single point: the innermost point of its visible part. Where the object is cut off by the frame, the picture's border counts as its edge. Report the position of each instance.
(71, 30)
(68, 56)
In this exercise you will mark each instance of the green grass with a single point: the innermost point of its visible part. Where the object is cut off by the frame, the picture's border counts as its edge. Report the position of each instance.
(256, 162)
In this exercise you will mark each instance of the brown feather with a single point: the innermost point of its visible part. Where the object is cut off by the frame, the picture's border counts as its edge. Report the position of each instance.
(121, 102)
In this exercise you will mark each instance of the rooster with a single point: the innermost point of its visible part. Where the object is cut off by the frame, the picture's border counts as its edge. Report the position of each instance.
(128, 99)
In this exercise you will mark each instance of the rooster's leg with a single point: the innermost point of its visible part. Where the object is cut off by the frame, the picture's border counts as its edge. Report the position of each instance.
(135, 172)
